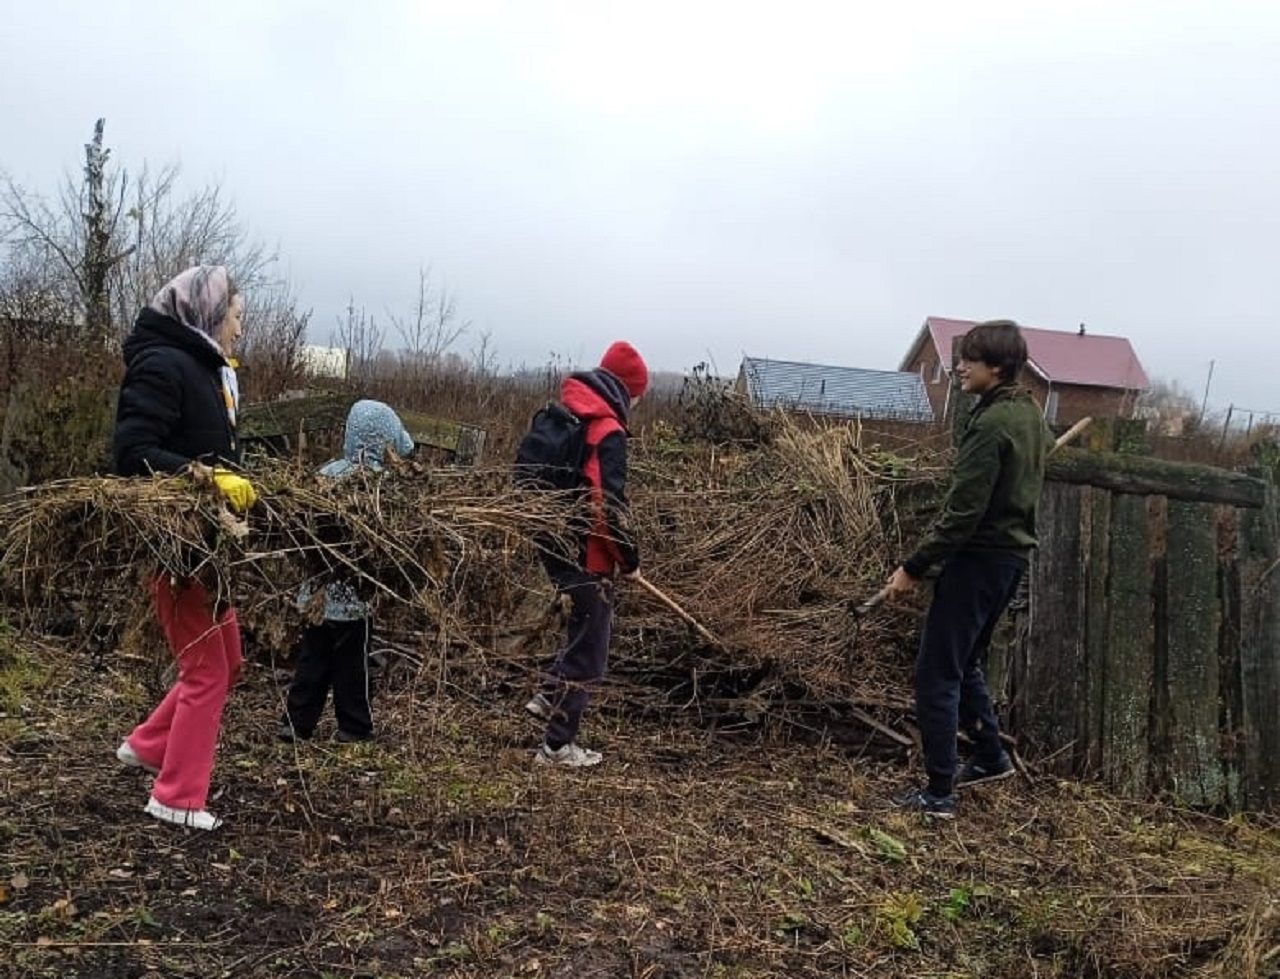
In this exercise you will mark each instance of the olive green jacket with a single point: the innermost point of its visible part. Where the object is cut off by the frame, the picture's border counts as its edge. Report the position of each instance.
(995, 486)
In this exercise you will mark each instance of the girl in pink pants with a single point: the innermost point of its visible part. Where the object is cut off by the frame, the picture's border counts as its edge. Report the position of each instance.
(177, 414)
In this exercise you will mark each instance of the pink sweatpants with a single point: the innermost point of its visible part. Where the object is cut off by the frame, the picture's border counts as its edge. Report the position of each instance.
(181, 735)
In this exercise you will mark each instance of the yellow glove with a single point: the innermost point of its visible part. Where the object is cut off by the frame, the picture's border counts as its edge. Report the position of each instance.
(238, 490)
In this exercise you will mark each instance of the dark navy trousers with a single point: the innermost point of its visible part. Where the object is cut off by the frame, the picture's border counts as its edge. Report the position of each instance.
(972, 593)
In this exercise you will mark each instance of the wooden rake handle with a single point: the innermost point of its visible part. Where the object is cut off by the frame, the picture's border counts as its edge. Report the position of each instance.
(672, 604)
(1066, 438)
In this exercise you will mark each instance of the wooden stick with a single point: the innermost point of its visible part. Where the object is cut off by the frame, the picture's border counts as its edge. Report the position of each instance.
(1066, 438)
(672, 604)
(885, 729)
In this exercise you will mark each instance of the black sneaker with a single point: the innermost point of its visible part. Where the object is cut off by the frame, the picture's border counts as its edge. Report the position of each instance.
(925, 802)
(350, 737)
(288, 733)
(977, 772)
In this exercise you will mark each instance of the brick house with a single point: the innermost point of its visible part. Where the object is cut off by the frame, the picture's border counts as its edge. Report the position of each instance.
(1071, 374)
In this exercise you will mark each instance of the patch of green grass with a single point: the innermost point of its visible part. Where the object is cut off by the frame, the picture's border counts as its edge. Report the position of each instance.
(897, 918)
(22, 675)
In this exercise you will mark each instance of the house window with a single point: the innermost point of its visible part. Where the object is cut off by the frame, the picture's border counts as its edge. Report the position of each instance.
(1051, 407)
(937, 373)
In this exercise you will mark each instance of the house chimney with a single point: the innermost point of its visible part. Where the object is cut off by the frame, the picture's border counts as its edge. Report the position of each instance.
(1081, 329)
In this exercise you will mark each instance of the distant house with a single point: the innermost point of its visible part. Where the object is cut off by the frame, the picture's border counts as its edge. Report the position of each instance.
(842, 392)
(1071, 373)
(332, 362)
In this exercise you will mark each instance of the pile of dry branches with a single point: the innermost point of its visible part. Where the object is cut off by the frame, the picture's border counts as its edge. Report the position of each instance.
(770, 545)
(450, 549)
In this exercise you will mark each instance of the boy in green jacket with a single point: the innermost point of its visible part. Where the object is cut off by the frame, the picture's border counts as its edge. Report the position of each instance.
(982, 538)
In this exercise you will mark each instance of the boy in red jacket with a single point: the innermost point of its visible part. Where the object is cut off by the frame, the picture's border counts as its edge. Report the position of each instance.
(602, 399)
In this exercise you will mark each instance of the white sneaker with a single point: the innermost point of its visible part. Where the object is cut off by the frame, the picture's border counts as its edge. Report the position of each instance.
(193, 818)
(540, 707)
(570, 755)
(129, 757)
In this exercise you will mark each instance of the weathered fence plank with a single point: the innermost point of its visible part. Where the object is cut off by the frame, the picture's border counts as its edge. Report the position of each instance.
(1260, 654)
(1193, 765)
(1142, 475)
(1127, 672)
(1050, 675)
(1089, 730)
(1229, 637)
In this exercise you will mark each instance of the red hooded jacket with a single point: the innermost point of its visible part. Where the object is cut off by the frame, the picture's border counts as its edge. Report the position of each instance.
(601, 400)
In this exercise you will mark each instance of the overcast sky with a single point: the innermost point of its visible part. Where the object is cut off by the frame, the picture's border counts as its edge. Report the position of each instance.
(794, 180)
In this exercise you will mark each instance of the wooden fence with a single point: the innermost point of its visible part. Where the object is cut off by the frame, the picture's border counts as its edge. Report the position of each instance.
(1146, 650)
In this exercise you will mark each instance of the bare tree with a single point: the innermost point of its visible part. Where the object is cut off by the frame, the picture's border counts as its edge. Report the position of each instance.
(274, 333)
(359, 335)
(1170, 407)
(484, 355)
(169, 232)
(108, 260)
(432, 327)
(76, 234)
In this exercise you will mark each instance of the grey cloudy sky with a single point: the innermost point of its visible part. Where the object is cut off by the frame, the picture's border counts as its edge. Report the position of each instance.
(794, 180)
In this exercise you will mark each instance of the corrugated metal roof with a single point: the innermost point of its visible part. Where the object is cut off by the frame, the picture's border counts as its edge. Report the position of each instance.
(1063, 357)
(849, 392)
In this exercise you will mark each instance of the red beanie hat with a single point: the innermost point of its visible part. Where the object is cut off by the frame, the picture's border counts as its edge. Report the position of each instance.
(624, 362)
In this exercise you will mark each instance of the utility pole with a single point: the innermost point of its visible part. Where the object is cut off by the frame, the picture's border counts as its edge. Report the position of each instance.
(1204, 405)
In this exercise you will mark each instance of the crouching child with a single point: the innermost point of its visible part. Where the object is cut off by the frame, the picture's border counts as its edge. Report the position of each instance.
(334, 655)
(982, 538)
(598, 404)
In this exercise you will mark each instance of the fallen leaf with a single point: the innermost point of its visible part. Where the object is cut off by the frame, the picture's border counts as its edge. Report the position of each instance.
(119, 873)
(19, 881)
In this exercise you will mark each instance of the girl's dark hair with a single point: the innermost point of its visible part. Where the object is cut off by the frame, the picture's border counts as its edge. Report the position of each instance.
(997, 343)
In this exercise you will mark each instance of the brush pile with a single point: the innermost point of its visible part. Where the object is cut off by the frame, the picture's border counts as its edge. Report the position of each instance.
(449, 549)
(771, 548)
(769, 544)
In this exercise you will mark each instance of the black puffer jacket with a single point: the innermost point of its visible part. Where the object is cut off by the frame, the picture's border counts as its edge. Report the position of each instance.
(171, 408)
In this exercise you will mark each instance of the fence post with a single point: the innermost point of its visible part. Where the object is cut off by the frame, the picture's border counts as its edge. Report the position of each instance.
(1260, 650)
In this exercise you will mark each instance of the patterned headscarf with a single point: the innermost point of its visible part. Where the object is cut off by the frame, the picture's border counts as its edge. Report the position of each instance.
(372, 429)
(200, 299)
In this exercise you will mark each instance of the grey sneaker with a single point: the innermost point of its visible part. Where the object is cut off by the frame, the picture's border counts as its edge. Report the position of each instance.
(540, 707)
(977, 772)
(926, 803)
(571, 755)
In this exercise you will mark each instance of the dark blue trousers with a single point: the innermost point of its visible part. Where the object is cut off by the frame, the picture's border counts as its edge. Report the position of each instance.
(581, 662)
(951, 692)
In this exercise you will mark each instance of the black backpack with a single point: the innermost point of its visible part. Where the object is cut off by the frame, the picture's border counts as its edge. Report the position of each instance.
(552, 453)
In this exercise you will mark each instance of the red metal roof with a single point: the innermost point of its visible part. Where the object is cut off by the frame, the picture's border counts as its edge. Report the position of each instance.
(1061, 356)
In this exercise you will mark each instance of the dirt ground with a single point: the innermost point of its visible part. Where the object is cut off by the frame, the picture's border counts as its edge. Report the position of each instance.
(440, 849)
